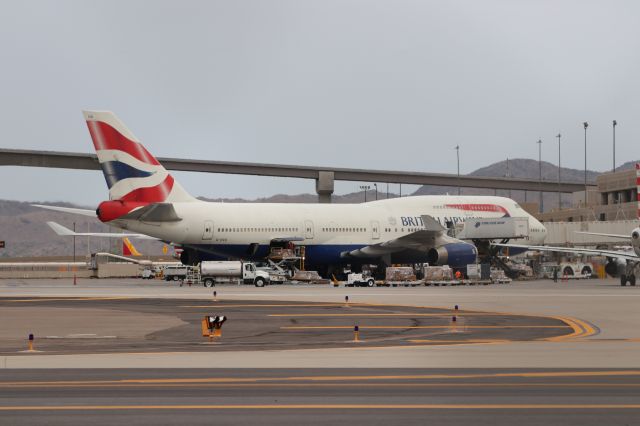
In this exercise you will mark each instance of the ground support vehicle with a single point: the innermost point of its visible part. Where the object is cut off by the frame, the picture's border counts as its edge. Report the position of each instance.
(147, 274)
(359, 280)
(175, 272)
(211, 273)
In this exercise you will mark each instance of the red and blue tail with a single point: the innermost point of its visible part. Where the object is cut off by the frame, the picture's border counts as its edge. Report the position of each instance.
(132, 173)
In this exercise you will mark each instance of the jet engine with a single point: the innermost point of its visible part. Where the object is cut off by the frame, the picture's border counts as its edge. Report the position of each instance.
(454, 254)
(615, 267)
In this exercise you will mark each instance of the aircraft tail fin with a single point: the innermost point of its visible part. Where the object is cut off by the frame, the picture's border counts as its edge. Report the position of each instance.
(131, 172)
(128, 249)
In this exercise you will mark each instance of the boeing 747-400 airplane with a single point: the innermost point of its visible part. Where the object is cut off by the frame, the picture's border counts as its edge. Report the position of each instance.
(144, 198)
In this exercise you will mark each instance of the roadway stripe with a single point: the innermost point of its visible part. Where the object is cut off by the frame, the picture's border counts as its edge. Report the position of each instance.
(320, 385)
(473, 341)
(526, 374)
(222, 305)
(327, 407)
(393, 327)
(45, 299)
(446, 314)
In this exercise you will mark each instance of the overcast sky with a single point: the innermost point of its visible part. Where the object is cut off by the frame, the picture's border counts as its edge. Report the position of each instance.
(376, 84)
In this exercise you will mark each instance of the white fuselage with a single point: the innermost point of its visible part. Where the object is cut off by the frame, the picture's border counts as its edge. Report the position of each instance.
(326, 230)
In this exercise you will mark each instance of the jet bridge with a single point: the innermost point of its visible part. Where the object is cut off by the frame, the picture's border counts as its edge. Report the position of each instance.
(501, 228)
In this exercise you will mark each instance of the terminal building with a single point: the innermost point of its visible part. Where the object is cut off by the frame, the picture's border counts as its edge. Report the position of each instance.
(611, 207)
(615, 197)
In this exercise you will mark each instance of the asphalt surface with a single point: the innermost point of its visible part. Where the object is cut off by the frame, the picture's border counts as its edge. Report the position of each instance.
(320, 396)
(81, 325)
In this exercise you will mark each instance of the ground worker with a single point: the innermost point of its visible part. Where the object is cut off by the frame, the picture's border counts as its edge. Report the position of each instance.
(555, 275)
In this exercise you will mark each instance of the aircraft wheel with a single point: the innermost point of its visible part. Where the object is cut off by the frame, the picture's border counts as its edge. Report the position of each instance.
(632, 280)
(623, 280)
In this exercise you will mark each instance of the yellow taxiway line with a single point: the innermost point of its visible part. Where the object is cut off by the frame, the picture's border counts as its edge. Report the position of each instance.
(27, 385)
(64, 299)
(446, 314)
(325, 407)
(393, 327)
(316, 379)
(581, 329)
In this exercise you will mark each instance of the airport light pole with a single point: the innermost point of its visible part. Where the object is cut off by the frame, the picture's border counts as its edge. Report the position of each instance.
(615, 123)
(375, 185)
(508, 175)
(559, 194)
(585, 124)
(74, 242)
(387, 190)
(540, 206)
(457, 148)
(365, 188)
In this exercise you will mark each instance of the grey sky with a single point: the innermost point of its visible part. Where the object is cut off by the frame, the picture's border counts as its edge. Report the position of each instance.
(380, 84)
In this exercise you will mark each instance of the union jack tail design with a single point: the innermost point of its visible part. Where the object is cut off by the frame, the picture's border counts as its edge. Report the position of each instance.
(131, 172)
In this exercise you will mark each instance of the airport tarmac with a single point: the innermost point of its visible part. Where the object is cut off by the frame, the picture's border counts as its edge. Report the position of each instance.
(73, 325)
(320, 396)
(131, 351)
(607, 335)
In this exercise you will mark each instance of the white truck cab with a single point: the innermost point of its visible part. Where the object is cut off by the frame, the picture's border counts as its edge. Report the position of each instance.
(357, 280)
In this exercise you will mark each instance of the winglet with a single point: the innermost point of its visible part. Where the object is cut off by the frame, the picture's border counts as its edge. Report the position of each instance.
(430, 224)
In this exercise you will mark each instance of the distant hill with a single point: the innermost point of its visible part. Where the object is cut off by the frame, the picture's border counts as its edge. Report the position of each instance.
(26, 233)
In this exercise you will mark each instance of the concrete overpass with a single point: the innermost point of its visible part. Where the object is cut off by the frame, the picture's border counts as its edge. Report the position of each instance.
(324, 176)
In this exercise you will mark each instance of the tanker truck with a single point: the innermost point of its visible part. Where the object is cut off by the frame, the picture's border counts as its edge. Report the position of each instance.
(218, 272)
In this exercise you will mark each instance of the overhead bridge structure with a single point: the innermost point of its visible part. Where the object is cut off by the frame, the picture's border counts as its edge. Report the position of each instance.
(323, 176)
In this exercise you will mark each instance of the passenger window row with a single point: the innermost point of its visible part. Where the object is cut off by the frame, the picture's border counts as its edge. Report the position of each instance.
(344, 229)
(285, 229)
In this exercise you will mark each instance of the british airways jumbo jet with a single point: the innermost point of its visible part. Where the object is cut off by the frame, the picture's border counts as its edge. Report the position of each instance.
(144, 198)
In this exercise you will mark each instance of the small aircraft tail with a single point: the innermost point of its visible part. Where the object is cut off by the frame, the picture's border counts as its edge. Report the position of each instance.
(131, 172)
(128, 249)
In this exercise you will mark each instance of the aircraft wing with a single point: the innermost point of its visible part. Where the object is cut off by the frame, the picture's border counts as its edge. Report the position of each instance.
(604, 235)
(570, 250)
(83, 212)
(286, 239)
(421, 240)
(66, 232)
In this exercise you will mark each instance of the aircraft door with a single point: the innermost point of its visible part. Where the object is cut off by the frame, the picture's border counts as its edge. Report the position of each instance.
(308, 229)
(375, 229)
(207, 234)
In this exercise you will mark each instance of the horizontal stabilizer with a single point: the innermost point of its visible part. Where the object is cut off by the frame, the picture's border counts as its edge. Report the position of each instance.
(66, 232)
(83, 212)
(157, 212)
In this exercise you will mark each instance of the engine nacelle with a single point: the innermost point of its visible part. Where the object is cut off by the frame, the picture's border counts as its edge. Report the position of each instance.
(189, 257)
(455, 255)
(615, 267)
